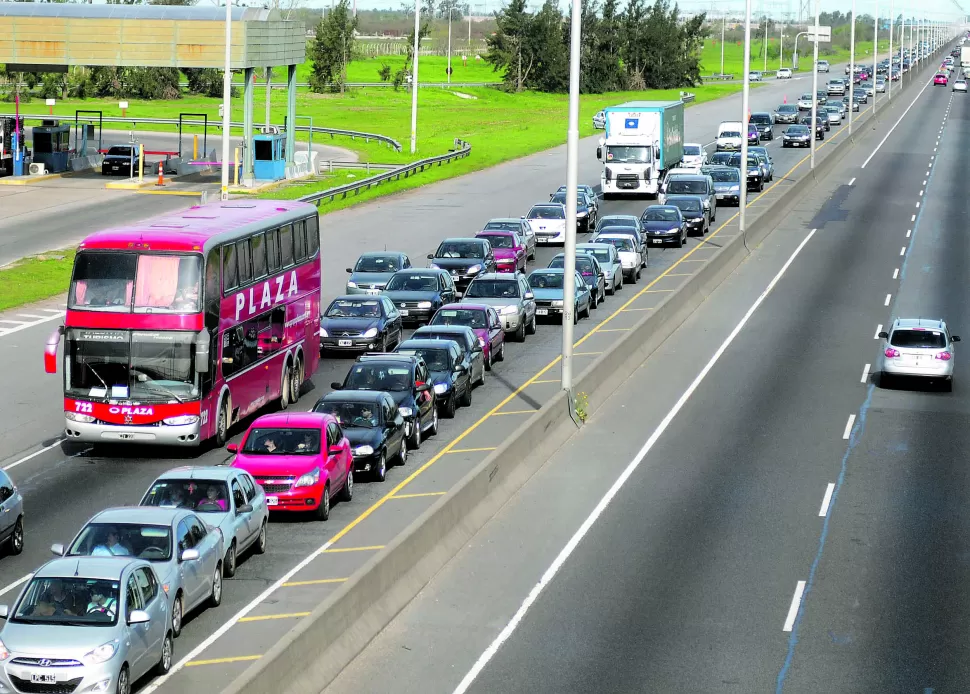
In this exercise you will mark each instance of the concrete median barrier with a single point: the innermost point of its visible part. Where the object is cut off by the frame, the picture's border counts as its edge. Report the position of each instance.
(311, 655)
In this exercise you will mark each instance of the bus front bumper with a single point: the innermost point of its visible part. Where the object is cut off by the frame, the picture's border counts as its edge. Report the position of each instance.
(162, 434)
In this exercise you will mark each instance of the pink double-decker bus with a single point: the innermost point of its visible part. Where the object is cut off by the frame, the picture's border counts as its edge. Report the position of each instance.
(179, 326)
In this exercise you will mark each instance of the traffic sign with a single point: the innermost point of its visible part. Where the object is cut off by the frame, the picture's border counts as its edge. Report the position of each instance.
(824, 34)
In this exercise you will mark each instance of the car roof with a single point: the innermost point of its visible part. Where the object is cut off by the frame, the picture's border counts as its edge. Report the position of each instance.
(418, 343)
(497, 276)
(462, 239)
(494, 232)
(381, 254)
(123, 515)
(294, 419)
(472, 306)
(421, 271)
(549, 270)
(199, 472)
(617, 217)
(662, 207)
(515, 220)
(589, 246)
(682, 196)
(931, 323)
(443, 329)
(105, 568)
(389, 357)
(365, 396)
(689, 177)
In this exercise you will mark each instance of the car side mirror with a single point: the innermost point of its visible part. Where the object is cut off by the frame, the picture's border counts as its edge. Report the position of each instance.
(245, 508)
(430, 256)
(336, 386)
(350, 271)
(529, 295)
(189, 555)
(57, 550)
(232, 447)
(335, 450)
(599, 152)
(884, 335)
(399, 421)
(140, 616)
(954, 338)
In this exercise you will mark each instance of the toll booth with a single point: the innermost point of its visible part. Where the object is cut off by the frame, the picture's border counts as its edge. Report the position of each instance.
(269, 155)
(52, 145)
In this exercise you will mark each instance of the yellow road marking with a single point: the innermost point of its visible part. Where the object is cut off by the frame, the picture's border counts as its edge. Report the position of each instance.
(264, 617)
(336, 550)
(679, 274)
(219, 661)
(471, 450)
(416, 496)
(611, 330)
(516, 412)
(659, 291)
(586, 354)
(648, 308)
(317, 582)
(549, 380)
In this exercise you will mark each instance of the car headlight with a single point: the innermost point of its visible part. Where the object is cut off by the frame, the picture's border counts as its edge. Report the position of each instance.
(351, 284)
(323, 332)
(557, 303)
(309, 479)
(481, 342)
(735, 188)
(363, 450)
(582, 213)
(4, 653)
(181, 420)
(405, 411)
(434, 267)
(474, 268)
(373, 331)
(441, 388)
(76, 417)
(506, 310)
(102, 653)
(423, 304)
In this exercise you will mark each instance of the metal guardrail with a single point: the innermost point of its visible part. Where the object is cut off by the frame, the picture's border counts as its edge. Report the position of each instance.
(306, 85)
(333, 132)
(687, 97)
(708, 78)
(461, 150)
(329, 166)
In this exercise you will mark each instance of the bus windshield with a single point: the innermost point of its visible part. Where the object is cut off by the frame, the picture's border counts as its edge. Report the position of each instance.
(133, 282)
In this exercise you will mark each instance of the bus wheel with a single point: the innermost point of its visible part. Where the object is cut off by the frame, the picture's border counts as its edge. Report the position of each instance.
(285, 387)
(296, 380)
(222, 425)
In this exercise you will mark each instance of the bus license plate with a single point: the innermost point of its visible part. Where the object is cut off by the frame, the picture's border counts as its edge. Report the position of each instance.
(44, 679)
(542, 312)
(345, 343)
(404, 312)
(272, 501)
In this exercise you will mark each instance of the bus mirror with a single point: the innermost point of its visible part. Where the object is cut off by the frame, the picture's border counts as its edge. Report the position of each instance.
(50, 350)
(202, 352)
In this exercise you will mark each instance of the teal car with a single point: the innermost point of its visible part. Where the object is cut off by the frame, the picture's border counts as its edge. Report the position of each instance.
(609, 260)
(547, 286)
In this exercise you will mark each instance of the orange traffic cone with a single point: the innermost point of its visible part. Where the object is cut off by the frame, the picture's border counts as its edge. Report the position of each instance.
(161, 179)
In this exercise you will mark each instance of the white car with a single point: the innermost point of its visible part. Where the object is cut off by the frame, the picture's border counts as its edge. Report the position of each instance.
(960, 85)
(805, 102)
(694, 155)
(784, 73)
(549, 221)
(629, 252)
(918, 347)
(728, 137)
(599, 120)
(754, 76)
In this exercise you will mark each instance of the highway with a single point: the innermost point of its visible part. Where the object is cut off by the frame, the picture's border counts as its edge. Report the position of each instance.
(215, 645)
(771, 517)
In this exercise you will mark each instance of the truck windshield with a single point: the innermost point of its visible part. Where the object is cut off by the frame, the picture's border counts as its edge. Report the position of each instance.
(628, 154)
(143, 283)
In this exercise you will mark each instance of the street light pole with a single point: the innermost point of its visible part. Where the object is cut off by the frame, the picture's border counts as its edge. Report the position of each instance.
(892, 24)
(226, 94)
(852, 72)
(745, 90)
(766, 44)
(723, 22)
(572, 182)
(875, 60)
(781, 46)
(450, 10)
(414, 77)
(815, 86)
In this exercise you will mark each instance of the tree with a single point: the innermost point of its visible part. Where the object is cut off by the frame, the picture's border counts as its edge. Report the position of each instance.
(333, 48)
(401, 76)
(507, 45)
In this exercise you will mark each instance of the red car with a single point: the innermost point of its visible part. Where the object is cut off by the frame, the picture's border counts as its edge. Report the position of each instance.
(300, 459)
(484, 322)
(509, 249)
(940, 78)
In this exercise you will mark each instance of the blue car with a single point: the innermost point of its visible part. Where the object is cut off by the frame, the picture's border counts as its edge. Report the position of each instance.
(360, 323)
(727, 184)
(547, 285)
(664, 224)
(373, 270)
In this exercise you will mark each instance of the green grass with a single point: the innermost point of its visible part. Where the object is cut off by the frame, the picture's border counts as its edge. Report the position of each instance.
(35, 278)
(734, 55)
(431, 68)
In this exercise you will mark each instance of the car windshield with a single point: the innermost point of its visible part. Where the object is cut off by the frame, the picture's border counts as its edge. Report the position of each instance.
(731, 133)
(121, 151)
(692, 150)
(797, 130)
(378, 377)
(142, 540)
(583, 265)
(354, 308)
(660, 214)
(786, 109)
(686, 204)
(918, 339)
(806, 97)
(546, 280)
(504, 226)
(469, 317)
(205, 496)
(351, 414)
(601, 254)
(73, 601)
(761, 118)
(560, 197)
(676, 186)
(624, 244)
(492, 289)
(460, 249)
(726, 176)
(547, 212)
(612, 222)
(499, 240)
(378, 263)
(282, 441)
(721, 158)
(413, 283)
(437, 359)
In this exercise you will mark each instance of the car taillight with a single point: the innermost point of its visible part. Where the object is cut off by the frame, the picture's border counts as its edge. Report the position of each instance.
(943, 356)
(890, 352)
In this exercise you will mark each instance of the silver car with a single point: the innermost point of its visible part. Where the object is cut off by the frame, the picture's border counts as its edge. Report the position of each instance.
(185, 553)
(599, 120)
(372, 271)
(918, 347)
(11, 515)
(627, 250)
(833, 115)
(511, 297)
(609, 259)
(225, 497)
(88, 625)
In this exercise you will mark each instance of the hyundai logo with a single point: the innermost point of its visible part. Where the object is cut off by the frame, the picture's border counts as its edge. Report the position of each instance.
(44, 662)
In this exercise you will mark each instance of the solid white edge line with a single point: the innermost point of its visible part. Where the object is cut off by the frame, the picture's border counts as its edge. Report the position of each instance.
(574, 541)
(888, 299)
(796, 601)
(886, 137)
(848, 427)
(33, 455)
(865, 373)
(852, 181)
(826, 500)
(878, 330)
(896, 273)
(18, 582)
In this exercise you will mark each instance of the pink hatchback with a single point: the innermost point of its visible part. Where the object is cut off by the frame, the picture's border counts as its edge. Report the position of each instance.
(300, 460)
(509, 249)
(484, 322)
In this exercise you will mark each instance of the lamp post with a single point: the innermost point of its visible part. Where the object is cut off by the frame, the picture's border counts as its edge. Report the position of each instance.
(815, 87)
(794, 60)
(852, 72)
(414, 77)
(723, 22)
(892, 23)
(226, 94)
(745, 91)
(450, 11)
(572, 181)
(766, 45)
(781, 46)
(875, 60)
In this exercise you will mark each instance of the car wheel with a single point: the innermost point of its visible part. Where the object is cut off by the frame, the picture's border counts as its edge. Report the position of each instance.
(500, 355)
(402, 456)
(481, 381)
(520, 332)
(466, 398)
(619, 282)
(229, 563)
(124, 681)
(612, 290)
(16, 543)
(636, 278)
(164, 663)
(379, 473)
(531, 330)
(177, 607)
(681, 241)
(593, 299)
(260, 546)
(297, 381)
(449, 406)
(347, 491)
(323, 510)
(215, 597)
(285, 388)
(490, 360)
(414, 443)
(433, 429)
(222, 426)
(586, 312)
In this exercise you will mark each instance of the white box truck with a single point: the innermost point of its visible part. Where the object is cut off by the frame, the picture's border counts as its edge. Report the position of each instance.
(643, 140)
(965, 57)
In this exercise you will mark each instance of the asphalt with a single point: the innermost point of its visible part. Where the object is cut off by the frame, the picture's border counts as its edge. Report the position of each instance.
(32, 416)
(683, 581)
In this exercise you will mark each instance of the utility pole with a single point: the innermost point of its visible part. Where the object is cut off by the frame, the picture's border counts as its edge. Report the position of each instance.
(572, 183)
(723, 23)
(852, 72)
(414, 77)
(745, 107)
(226, 94)
(815, 86)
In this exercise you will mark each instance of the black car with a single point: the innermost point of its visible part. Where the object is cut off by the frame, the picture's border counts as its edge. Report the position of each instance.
(463, 259)
(362, 323)
(765, 124)
(473, 351)
(374, 426)
(721, 158)
(692, 208)
(450, 374)
(586, 209)
(406, 379)
(700, 185)
(796, 136)
(821, 125)
(121, 160)
(756, 175)
(417, 293)
(664, 224)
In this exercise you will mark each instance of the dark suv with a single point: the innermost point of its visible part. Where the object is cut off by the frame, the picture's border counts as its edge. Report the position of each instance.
(464, 259)
(703, 186)
(765, 124)
(417, 293)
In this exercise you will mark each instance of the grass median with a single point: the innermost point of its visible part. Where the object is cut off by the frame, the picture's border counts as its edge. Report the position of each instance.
(35, 278)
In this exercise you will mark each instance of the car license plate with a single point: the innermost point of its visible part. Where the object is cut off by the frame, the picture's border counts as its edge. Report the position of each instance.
(272, 501)
(657, 240)
(542, 312)
(345, 343)
(372, 291)
(44, 679)
(720, 196)
(404, 312)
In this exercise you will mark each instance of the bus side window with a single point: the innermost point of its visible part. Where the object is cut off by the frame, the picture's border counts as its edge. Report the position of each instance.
(299, 241)
(245, 262)
(286, 244)
(230, 273)
(212, 296)
(257, 246)
(312, 236)
(277, 324)
(273, 251)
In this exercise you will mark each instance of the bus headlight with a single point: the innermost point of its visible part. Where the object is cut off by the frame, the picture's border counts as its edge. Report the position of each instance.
(77, 417)
(181, 420)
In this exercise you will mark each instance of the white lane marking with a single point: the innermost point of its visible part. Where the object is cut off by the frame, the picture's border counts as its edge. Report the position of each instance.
(848, 427)
(18, 582)
(826, 500)
(924, 181)
(902, 251)
(936, 148)
(33, 455)
(888, 299)
(886, 137)
(921, 193)
(896, 273)
(574, 541)
(23, 326)
(796, 601)
(53, 310)
(927, 173)
(917, 204)
(909, 233)
(29, 315)
(852, 181)
(865, 373)
(913, 219)
(15, 322)
(878, 330)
